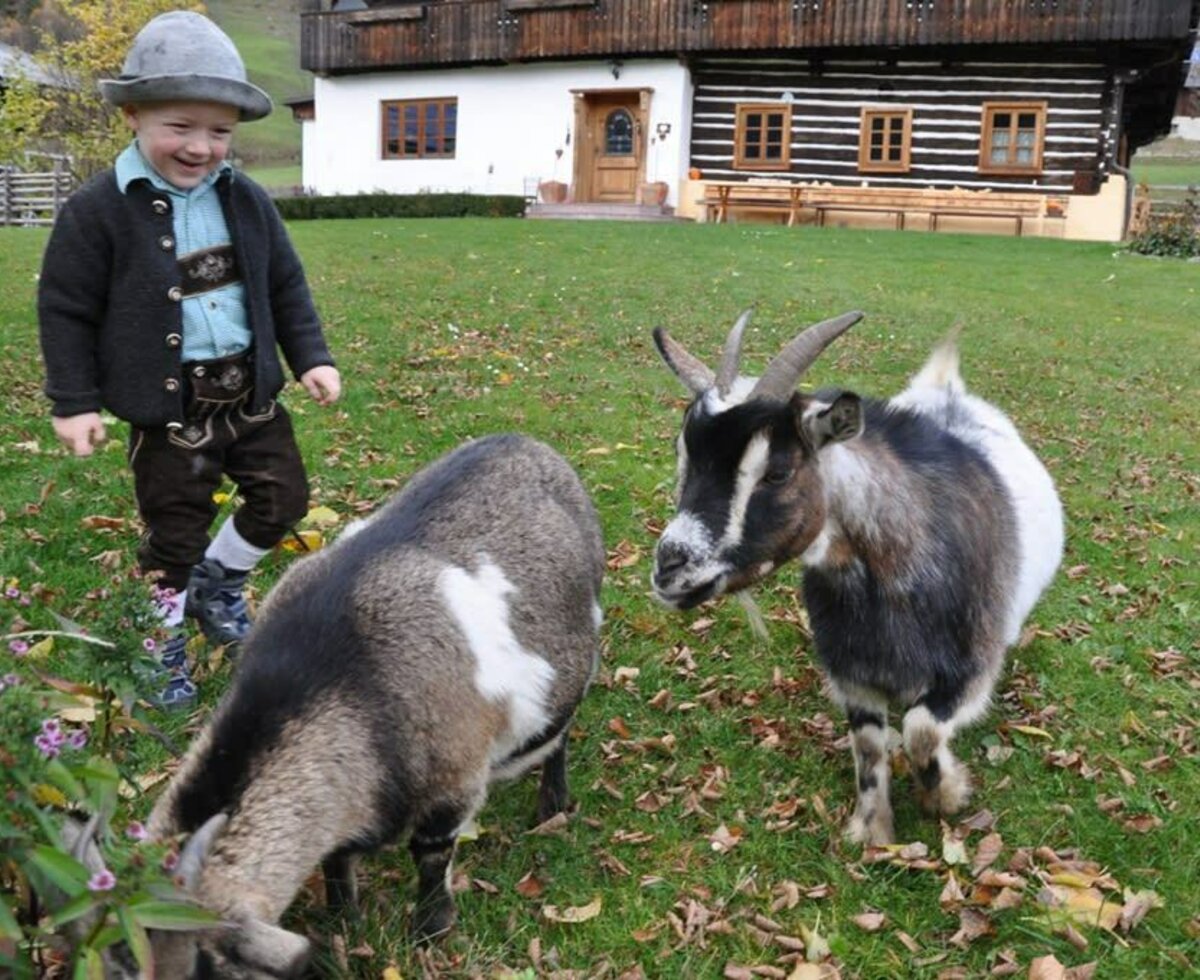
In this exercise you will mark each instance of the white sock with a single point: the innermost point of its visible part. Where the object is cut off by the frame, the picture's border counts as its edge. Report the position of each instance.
(232, 550)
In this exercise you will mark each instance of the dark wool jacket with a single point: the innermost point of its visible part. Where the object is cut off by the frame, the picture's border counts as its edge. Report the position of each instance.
(109, 300)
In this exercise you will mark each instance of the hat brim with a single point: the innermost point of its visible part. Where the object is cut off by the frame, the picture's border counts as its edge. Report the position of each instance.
(250, 101)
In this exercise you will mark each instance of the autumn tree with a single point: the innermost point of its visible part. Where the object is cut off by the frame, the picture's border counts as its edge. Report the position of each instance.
(74, 119)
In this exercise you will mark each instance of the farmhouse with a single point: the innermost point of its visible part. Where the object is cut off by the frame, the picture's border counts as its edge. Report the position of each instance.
(1016, 116)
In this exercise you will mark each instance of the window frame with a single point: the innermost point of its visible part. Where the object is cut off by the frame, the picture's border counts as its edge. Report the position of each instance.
(442, 102)
(868, 166)
(988, 129)
(740, 162)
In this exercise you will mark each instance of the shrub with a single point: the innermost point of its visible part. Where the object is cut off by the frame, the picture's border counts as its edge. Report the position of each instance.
(380, 205)
(1172, 233)
(69, 753)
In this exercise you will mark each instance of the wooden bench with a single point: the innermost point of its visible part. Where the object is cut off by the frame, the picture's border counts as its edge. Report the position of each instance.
(721, 197)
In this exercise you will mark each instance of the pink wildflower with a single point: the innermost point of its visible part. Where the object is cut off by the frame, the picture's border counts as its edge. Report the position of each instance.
(19, 647)
(148, 644)
(47, 746)
(77, 739)
(170, 861)
(102, 881)
(136, 830)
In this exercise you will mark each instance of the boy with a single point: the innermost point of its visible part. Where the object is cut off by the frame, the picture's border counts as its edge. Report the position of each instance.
(167, 285)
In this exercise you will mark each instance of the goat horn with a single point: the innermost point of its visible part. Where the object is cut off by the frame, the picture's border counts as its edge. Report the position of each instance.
(780, 378)
(195, 851)
(696, 375)
(732, 354)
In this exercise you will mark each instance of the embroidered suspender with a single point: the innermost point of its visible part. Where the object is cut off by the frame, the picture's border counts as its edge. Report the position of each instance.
(207, 269)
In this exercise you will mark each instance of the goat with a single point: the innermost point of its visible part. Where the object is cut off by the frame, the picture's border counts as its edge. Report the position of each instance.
(386, 682)
(926, 527)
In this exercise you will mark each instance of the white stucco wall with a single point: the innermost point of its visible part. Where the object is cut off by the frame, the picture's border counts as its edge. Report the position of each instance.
(511, 119)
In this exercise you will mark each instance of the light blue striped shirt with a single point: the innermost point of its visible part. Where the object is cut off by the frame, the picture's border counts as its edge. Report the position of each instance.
(214, 323)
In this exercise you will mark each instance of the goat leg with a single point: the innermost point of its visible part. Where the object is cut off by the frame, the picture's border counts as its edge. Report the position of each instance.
(942, 783)
(871, 822)
(341, 885)
(553, 796)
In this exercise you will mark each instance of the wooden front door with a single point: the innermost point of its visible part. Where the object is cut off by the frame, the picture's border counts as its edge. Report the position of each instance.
(613, 147)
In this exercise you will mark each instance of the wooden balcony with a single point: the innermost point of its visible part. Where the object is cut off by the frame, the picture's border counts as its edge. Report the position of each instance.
(464, 32)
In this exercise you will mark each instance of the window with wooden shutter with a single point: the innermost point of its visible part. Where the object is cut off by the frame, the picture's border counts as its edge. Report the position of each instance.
(885, 140)
(416, 129)
(763, 137)
(1014, 135)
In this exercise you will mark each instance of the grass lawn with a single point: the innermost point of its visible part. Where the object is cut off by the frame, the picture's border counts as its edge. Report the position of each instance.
(273, 178)
(1166, 171)
(267, 34)
(709, 770)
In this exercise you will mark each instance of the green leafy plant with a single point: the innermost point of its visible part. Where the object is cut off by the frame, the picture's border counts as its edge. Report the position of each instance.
(1173, 233)
(71, 886)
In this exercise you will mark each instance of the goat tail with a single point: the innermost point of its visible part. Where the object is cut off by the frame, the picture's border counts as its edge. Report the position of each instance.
(942, 369)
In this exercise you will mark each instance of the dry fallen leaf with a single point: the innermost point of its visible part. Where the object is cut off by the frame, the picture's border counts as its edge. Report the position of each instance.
(529, 886)
(869, 921)
(1046, 968)
(725, 839)
(575, 913)
(989, 849)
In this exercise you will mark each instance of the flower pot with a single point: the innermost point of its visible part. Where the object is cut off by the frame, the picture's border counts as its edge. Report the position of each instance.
(552, 191)
(654, 192)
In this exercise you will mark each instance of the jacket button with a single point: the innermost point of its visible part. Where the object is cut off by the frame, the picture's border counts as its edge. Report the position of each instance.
(171, 384)
(174, 294)
(160, 206)
(198, 371)
(166, 243)
(174, 340)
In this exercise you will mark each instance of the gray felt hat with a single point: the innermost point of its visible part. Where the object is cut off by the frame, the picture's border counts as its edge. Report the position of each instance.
(182, 56)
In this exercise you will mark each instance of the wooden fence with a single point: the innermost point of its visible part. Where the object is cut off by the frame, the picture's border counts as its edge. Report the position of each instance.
(33, 198)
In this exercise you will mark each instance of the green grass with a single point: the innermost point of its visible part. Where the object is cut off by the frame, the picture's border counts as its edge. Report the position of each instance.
(451, 329)
(1167, 171)
(267, 33)
(276, 178)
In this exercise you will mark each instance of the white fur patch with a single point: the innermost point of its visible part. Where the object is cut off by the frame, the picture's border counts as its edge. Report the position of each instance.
(689, 533)
(751, 468)
(504, 671)
(739, 391)
(1036, 504)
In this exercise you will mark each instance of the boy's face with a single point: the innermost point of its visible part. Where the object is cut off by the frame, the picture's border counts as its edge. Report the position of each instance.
(183, 141)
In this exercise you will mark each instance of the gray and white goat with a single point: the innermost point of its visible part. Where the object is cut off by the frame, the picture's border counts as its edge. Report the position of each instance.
(387, 681)
(926, 527)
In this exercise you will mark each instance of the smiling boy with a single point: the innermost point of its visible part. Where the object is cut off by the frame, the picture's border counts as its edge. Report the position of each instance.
(169, 287)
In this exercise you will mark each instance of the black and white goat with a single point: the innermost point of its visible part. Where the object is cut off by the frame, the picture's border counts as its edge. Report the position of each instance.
(926, 527)
(387, 681)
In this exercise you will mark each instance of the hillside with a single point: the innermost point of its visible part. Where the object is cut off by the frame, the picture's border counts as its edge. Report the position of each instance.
(267, 32)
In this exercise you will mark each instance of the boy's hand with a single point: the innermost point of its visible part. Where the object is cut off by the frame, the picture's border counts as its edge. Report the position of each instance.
(323, 383)
(80, 433)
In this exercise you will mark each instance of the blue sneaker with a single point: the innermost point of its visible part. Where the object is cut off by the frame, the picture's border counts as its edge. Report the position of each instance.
(215, 600)
(180, 691)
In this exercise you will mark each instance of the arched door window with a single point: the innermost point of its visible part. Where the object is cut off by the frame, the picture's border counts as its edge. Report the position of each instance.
(618, 133)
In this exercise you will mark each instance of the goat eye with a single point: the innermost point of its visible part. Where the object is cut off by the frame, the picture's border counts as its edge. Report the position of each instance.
(776, 477)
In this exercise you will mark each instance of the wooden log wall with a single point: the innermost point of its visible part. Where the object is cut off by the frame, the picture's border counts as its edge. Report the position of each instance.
(946, 124)
(442, 32)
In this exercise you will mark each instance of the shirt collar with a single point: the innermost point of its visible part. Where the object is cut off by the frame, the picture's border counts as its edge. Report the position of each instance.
(131, 166)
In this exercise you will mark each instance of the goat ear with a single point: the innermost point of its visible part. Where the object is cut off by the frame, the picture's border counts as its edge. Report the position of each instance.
(272, 949)
(830, 416)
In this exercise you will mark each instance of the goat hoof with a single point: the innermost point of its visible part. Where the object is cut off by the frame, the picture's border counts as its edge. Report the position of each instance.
(431, 924)
(872, 832)
(949, 795)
